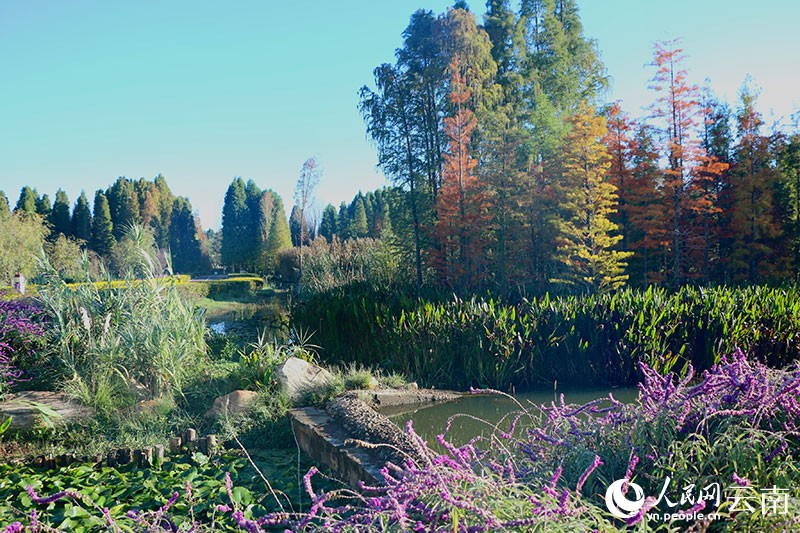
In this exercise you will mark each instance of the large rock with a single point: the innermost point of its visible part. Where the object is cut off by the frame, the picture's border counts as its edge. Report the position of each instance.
(299, 378)
(233, 403)
(31, 409)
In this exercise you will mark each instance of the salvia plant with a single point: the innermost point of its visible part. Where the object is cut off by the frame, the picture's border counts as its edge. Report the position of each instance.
(546, 467)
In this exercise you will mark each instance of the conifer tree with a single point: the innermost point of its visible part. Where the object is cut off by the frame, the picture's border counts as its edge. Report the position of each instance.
(588, 199)
(27, 200)
(62, 225)
(279, 237)
(102, 240)
(185, 246)
(327, 227)
(234, 224)
(755, 226)
(462, 205)
(82, 219)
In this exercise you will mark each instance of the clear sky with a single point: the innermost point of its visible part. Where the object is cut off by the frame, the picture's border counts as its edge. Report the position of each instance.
(205, 91)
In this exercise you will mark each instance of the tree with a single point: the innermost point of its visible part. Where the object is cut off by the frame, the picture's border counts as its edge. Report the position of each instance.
(279, 238)
(252, 242)
(462, 205)
(62, 225)
(359, 226)
(27, 200)
(123, 204)
(303, 196)
(327, 227)
(266, 218)
(588, 200)
(234, 224)
(5, 211)
(102, 240)
(22, 236)
(44, 207)
(184, 242)
(82, 219)
(754, 225)
(677, 106)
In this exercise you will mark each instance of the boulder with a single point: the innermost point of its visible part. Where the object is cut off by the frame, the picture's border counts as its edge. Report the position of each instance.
(234, 403)
(298, 378)
(31, 409)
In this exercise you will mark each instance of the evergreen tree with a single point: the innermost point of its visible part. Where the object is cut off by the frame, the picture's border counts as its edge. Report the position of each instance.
(27, 201)
(123, 204)
(266, 216)
(82, 219)
(343, 222)
(164, 200)
(62, 224)
(102, 240)
(185, 246)
(234, 225)
(279, 237)
(327, 227)
(44, 207)
(359, 227)
(252, 244)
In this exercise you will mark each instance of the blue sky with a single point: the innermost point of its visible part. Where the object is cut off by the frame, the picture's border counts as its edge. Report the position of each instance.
(205, 91)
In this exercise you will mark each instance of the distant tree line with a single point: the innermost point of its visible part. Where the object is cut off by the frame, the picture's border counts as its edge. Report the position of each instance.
(168, 220)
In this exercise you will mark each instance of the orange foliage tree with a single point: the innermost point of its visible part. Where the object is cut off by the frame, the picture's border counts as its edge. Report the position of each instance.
(462, 205)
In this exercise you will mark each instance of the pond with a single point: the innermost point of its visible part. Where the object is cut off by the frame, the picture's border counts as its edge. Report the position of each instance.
(486, 410)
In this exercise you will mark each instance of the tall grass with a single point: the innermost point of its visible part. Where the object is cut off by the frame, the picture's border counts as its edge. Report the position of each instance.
(115, 345)
(594, 339)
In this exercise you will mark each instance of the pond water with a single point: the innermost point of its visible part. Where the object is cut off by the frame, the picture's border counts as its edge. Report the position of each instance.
(484, 411)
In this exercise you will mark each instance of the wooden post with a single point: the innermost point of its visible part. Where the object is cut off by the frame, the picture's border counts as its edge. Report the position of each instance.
(158, 455)
(211, 444)
(147, 456)
(175, 444)
(111, 459)
(190, 438)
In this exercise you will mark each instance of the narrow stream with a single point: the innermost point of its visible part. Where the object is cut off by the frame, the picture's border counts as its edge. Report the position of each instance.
(485, 411)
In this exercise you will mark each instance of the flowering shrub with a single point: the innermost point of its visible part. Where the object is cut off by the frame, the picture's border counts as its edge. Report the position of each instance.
(547, 467)
(21, 331)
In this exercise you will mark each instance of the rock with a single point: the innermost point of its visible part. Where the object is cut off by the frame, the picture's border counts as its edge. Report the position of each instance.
(297, 378)
(233, 403)
(31, 409)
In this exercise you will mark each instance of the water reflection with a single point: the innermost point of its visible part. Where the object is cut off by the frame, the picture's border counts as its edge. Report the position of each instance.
(483, 411)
